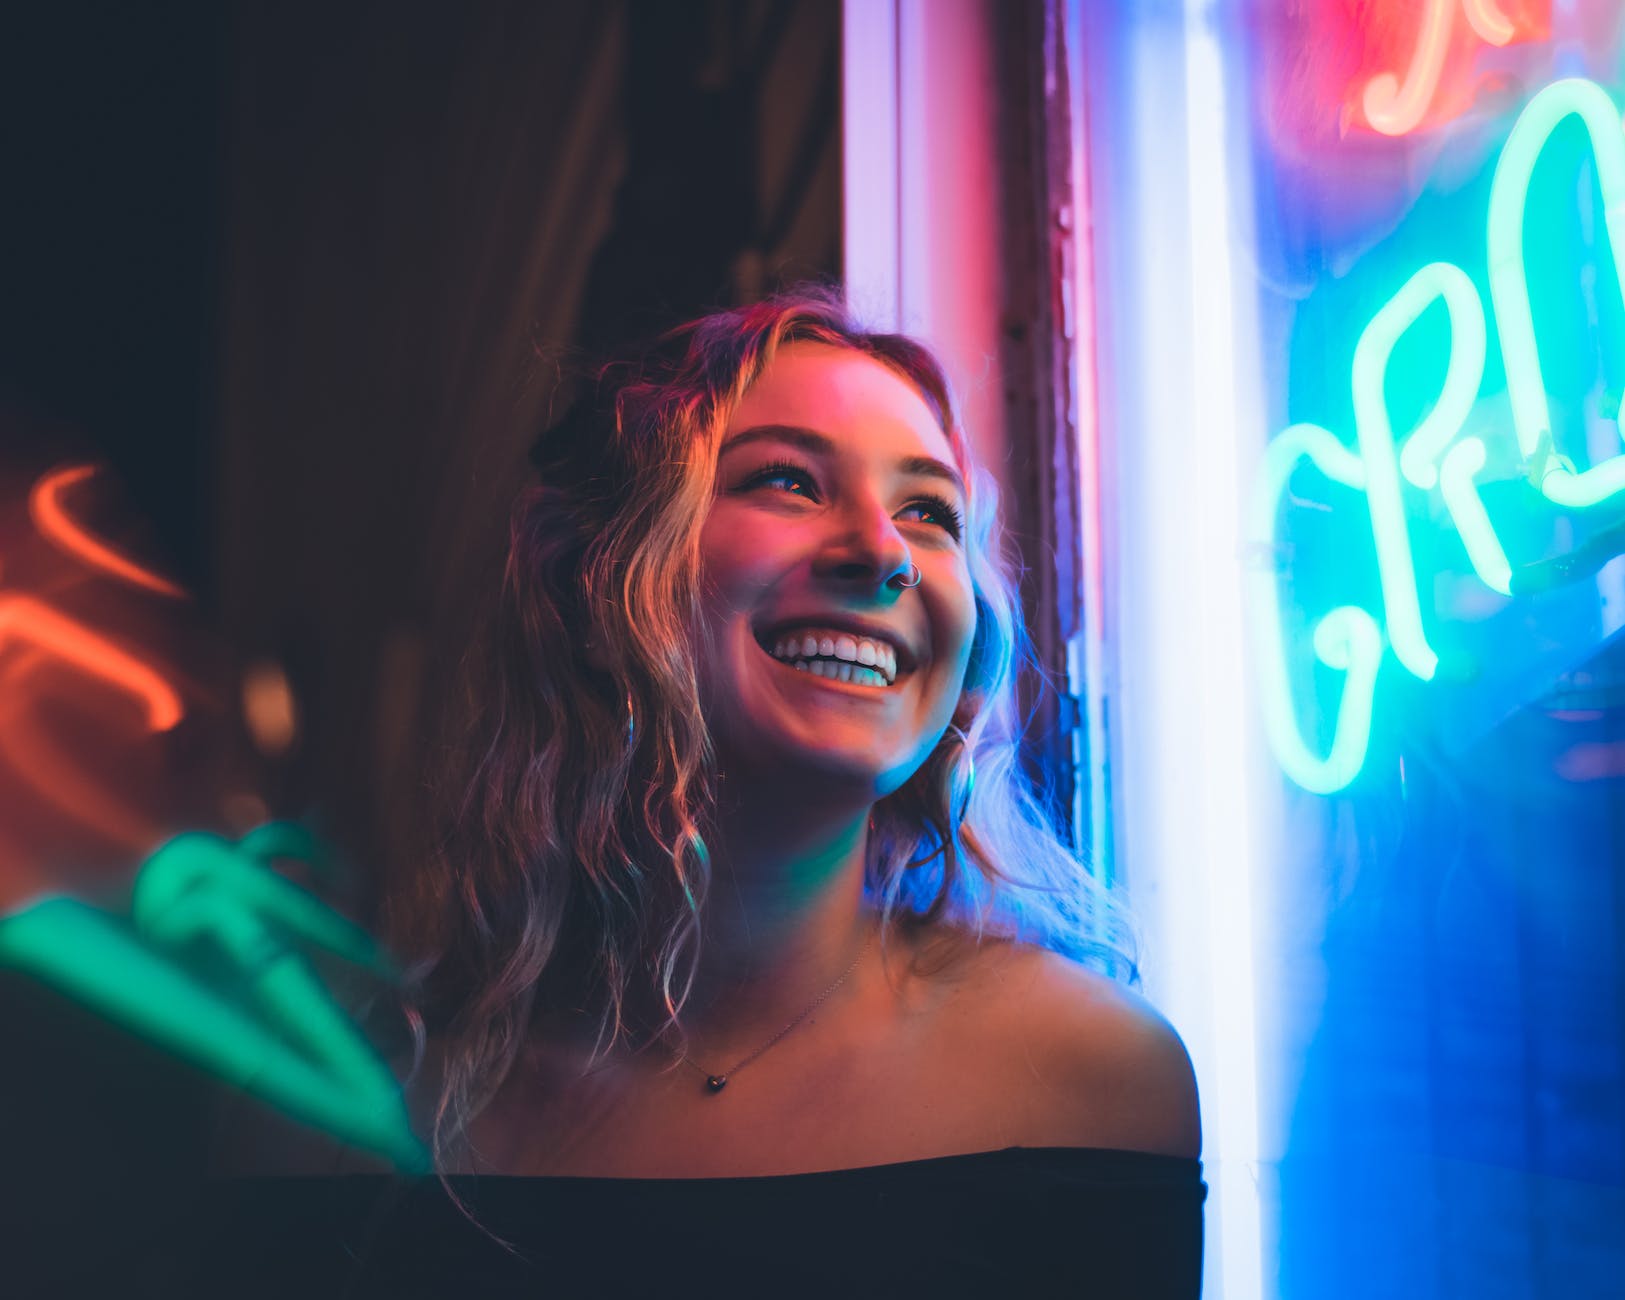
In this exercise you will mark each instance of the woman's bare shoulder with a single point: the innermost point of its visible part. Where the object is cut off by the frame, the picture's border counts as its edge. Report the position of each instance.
(1111, 1071)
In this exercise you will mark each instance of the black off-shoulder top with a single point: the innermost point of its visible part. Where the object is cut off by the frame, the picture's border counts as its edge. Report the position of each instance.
(1024, 1221)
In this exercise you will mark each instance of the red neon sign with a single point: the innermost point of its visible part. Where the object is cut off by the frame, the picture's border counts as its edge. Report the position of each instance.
(1418, 65)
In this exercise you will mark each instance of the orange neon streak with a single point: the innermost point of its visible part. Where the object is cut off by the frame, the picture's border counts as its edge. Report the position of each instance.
(25, 619)
(38, 762)
(56, 525)
(1489, 22)
(1393, 109)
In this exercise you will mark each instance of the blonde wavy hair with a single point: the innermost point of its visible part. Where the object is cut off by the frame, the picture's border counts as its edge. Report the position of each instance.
(569, 863)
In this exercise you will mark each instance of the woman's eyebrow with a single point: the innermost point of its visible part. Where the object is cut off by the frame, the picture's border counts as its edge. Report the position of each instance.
(821, 444)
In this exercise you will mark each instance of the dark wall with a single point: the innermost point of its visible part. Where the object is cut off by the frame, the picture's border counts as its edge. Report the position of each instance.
(431, 213)
(308, 277)
(110, 123)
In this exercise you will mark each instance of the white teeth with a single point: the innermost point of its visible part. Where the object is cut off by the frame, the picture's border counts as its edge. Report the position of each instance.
(841, 672)
(851, 649)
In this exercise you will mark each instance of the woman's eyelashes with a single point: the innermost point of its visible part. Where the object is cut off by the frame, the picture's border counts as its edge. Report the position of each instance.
(952, 524)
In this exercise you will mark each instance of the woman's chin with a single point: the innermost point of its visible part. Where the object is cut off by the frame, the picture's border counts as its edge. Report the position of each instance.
(796, 751)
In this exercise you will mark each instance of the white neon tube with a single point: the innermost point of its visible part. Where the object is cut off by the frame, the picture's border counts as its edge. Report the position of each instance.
(1225, 800)
(869, 160)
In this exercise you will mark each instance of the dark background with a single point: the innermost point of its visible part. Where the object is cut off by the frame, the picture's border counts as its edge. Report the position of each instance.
(310, 278)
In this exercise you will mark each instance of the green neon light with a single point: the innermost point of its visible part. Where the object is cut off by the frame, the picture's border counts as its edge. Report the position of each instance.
(1439, 281)
(1466, 506)
(1509, 287)
(267, 1024)
(1347, 639)
(1464, 368)
(1434, 455)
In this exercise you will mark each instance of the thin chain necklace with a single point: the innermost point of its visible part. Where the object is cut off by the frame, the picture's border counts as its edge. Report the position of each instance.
(715, 1083)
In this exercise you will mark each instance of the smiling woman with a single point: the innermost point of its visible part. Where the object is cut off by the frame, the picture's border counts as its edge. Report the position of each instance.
(743, 920)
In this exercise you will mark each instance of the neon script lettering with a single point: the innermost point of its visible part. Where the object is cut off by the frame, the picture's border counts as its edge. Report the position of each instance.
(1396, 107)
(1434, 455)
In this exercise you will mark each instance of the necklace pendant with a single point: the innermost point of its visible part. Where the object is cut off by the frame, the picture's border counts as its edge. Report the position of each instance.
(716, 1082)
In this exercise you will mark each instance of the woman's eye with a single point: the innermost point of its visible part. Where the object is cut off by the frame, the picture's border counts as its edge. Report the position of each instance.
(945, 511)
(947, 514)
(770, 472)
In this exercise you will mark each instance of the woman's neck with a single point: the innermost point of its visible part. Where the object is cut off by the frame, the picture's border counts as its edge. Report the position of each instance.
(779, 926)
(784, 915)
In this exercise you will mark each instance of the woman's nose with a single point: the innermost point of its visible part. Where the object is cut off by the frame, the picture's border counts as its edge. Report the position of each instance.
(866, 550)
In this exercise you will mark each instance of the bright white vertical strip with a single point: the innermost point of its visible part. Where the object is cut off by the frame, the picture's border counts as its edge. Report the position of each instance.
(1224, 795)
(917, 236)
(869, 161)
(1168, 867)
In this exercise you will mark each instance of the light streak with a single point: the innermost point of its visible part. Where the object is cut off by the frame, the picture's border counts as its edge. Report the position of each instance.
(1464, 369)
(1347, 639)
(1466, 506)
(1509, 285)
(1490, 24)
(296, 1050)
(1224, 798)
(1434, 455)
(35, 759)
(57, 526)
(23, 619)
(1393, 108)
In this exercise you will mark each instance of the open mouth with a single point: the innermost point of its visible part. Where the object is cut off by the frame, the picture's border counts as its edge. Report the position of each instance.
(841, 674)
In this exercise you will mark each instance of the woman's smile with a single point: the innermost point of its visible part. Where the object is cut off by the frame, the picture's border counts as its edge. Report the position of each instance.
(823, 676)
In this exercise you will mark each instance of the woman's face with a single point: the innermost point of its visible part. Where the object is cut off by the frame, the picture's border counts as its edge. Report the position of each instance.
(817, 547)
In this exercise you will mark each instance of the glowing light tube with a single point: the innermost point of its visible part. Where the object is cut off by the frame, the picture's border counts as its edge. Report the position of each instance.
(115, 974)
(1509, 285)
(300, 1053)
(1437, 281)
(23, 618)
(57, 526)
(1464, 368)
(1466, 506)
(1393, 108)
(1488, 22)
(1224, 798)
(1347, 639)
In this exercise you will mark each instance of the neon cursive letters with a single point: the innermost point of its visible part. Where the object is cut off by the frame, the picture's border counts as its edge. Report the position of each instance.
(1434, 454)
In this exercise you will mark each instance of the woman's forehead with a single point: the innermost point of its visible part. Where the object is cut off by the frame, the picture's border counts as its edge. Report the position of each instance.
(841, 392)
